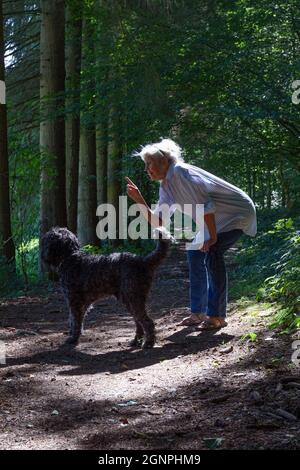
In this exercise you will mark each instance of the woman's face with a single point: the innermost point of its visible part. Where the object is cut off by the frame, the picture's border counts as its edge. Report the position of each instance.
(156, 167)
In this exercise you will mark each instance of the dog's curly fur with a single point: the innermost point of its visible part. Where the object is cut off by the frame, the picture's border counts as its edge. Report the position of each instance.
(86, 278)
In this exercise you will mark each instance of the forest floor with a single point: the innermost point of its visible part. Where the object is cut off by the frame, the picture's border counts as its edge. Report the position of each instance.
(194, 390)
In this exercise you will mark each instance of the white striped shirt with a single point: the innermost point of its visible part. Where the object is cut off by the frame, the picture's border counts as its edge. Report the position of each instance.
(188, 184)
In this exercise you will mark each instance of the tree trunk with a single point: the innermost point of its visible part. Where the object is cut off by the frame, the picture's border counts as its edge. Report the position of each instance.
(114, 165)
(7, 248)
(87, 192)
(52, 127)
(73, 60)
(87, 202)
(101, 160)
(102, 73)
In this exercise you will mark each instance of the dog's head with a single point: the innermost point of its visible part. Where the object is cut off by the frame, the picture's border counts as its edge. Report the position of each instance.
(58, 244)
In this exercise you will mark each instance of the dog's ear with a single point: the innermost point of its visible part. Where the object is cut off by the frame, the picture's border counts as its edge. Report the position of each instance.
(70, 241)
(51, 251)
(57, 244)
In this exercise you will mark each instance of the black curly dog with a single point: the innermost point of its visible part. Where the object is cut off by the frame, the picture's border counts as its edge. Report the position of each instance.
(86, 278)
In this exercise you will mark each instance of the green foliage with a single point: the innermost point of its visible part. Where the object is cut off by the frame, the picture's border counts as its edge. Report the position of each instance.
(27, 260)
(270, 266)
(249, 336)
(284, 285)
(26, 278)
(25, 186)
(145, 247)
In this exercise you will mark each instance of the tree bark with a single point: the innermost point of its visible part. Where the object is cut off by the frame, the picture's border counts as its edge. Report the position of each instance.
(87, 192)
(73, 60)
(7, 248)
(52, 127)
(87, 188)
(101, 160)
(114, 165)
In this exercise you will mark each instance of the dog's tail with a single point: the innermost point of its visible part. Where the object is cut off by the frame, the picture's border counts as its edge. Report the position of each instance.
(162, 247)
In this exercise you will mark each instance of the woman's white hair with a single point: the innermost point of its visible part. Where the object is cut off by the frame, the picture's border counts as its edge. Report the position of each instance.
(166, 147)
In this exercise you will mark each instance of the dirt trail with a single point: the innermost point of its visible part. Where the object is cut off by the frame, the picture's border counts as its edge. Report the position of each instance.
(192, 391)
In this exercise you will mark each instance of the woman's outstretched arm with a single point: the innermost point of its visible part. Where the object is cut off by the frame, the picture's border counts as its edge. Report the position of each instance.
(135, 194)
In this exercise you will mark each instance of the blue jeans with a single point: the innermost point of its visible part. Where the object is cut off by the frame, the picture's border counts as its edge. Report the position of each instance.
(208, 276)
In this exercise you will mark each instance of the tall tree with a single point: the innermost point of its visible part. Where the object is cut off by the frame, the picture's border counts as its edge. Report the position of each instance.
(87, 193)
(114, 165)
(101, 158)
(6, 242)
(103, 48)
(52, 127)
(73, 60)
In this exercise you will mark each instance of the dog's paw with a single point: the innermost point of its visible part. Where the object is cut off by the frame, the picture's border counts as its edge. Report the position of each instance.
(136, 343)
(148, 343)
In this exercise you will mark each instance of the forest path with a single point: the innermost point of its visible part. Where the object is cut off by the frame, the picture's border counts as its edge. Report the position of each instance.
(194, 390)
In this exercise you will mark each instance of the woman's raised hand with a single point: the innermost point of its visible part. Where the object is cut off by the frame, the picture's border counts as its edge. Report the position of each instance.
(133, 191)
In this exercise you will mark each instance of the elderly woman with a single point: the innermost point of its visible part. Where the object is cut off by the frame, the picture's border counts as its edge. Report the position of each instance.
(228, 213)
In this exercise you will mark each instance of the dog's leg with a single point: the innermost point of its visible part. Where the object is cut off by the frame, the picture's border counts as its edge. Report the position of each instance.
(86, 313)
(75, 321)
(139, 333)
(141, 317)
(71, 326)
(70, 319)
(149, 332)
